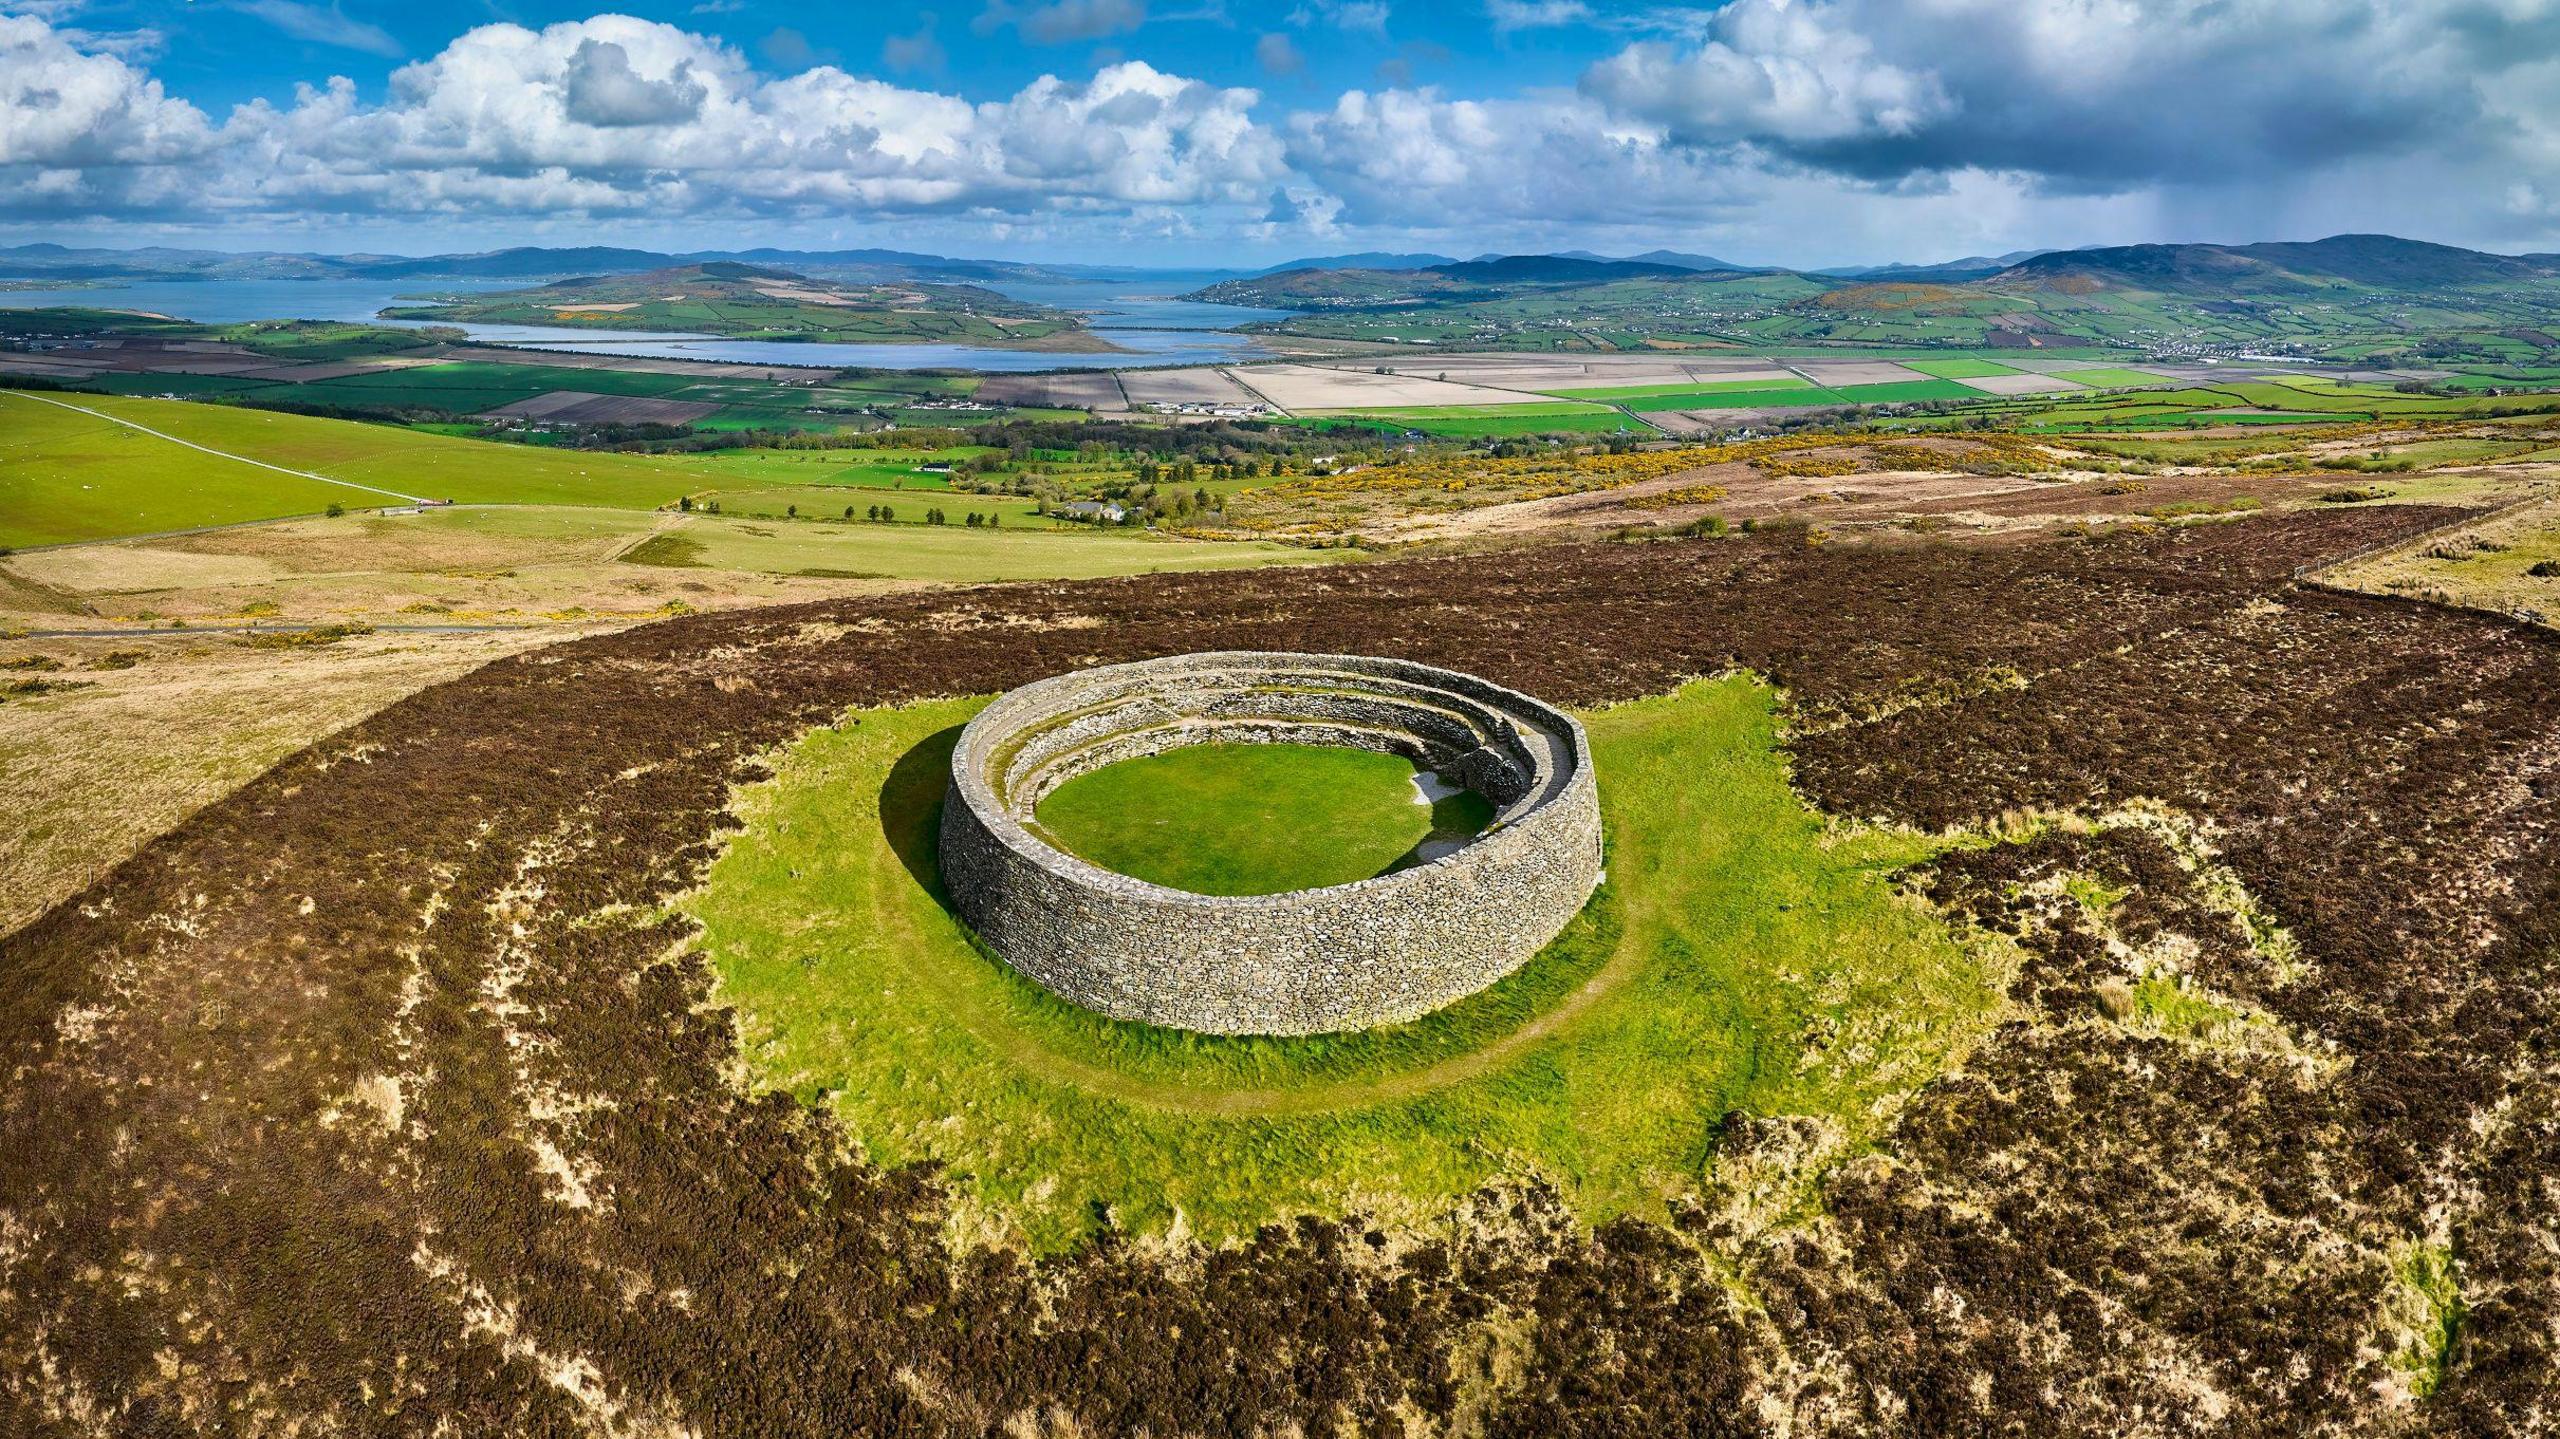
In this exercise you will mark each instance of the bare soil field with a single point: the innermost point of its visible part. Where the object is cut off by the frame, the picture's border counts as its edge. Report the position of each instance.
(378, 1097)
(1695, 422)
(1857, 372)
(1185, 387)
(1315, 387)
(1087, 389)
(2020, 384)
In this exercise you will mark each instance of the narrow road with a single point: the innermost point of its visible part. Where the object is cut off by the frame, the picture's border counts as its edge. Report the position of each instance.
(217, 454)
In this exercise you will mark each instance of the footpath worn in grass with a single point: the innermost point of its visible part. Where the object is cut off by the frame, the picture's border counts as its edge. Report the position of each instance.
(1252, 818)
(1742, 955)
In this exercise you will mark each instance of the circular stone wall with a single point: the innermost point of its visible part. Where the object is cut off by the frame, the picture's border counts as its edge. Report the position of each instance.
(1310, 961)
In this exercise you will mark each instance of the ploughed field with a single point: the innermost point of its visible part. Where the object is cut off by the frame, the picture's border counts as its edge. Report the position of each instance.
(397, 1091)
(1236, 819)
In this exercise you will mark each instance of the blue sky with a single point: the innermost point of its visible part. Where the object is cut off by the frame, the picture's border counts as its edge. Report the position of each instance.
(1225, 131)
(221, 54)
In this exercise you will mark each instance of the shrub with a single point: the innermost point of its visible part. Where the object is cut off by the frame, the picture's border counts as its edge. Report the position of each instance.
(304, 639)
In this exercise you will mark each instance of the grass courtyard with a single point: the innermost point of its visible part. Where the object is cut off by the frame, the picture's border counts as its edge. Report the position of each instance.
(1743, 954)
(1236, 819)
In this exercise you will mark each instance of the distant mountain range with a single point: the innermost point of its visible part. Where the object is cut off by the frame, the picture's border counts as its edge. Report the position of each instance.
(2382, 262)
(1365, 260)
(1970, 267)
(1383, 277)
(521, 263)
(1449, 282)
(1675, 259)
(2202, 272)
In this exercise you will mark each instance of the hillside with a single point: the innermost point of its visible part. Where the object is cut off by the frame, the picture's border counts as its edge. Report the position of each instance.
(1493, 277)
(737, 300)
(1365, 260)
(2349, 297)
(2375, 261)
(525, 262)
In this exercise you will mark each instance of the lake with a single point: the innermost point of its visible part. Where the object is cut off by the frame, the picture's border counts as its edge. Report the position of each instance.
(1139, 315)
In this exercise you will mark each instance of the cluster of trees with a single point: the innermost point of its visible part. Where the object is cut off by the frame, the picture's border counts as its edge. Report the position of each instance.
(1189, 472)
(888, 515)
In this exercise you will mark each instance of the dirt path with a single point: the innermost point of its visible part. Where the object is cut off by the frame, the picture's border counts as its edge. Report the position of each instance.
(218, 454)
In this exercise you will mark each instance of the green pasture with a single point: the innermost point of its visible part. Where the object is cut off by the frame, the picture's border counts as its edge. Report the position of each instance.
(1745, 954)
(1545, 409)
(830, 501)
(1679, 393)
(2112, 378)
(1803, 396)
(73, 476)
(67, 477)
(1471, 421)
(874, 469)
(1905, 392)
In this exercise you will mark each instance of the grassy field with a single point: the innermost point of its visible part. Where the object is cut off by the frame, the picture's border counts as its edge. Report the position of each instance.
(949, 553)
(1744, 954)
(874, 469)
(136, 734)
(714, 306)
(1904, 392)
(2115, 378)
(1470, 421)
(1695, 387)
(830, 501)
(2488, 566)
(73, 476)
(1253, 818)
(1712, 397)
(66, 476)
(1494, 426)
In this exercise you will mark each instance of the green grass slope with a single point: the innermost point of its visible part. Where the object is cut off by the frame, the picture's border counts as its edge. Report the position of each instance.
(74, 476)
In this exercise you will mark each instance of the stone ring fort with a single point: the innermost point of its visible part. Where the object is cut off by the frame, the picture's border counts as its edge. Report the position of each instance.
(1311, 961)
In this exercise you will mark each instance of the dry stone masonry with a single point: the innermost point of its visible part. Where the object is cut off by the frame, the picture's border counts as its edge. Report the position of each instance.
(1313, 961)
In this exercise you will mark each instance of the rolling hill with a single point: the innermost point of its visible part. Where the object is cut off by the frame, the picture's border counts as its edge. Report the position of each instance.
(1313, 288)
(735, 299)
(2373, 261)
(2348, 297)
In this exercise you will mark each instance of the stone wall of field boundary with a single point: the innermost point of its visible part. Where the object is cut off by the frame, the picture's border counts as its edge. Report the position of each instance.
(1313, 961)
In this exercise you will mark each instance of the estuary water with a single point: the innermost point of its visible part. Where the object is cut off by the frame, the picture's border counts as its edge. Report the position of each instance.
(1139, 315)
